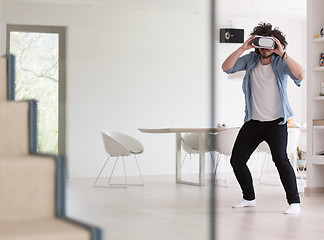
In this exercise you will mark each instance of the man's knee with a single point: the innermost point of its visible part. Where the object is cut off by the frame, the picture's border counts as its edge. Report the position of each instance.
(235, 163)
(281, 161)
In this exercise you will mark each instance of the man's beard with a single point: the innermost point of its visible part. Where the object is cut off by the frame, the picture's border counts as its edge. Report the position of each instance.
(265, 56)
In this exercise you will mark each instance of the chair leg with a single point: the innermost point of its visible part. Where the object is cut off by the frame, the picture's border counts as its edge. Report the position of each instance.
(124, 171)
(184, 159)
(139, 170)
(267, 160)
(113, 170)
(259, 167)
(301, 176)
(94, 184)
(216, 166)
(218, 159)
(213, 165)
(264, 160)
(125, 174)
(300, 172)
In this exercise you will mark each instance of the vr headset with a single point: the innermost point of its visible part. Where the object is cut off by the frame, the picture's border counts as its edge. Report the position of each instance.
(264, 42)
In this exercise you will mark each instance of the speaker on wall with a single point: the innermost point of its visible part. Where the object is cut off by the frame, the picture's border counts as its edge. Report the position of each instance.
(231, 35)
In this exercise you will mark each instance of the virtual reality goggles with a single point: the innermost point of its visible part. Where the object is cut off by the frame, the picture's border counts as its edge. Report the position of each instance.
(264, 42)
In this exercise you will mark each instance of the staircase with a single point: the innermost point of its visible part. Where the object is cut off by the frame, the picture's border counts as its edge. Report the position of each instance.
(32, 185)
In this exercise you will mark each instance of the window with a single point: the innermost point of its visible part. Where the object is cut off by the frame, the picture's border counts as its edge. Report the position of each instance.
(40, 75)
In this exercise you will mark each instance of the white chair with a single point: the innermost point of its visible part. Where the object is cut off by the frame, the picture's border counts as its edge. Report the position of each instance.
(292, 143)
(293, 140)
(190, 144)
(223, 144)
(264, 148)
(119, 145)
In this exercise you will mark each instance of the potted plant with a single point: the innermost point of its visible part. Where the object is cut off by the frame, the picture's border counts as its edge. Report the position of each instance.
(301, 161)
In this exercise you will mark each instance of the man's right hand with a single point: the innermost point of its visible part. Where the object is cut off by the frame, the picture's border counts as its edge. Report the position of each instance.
(248, 43)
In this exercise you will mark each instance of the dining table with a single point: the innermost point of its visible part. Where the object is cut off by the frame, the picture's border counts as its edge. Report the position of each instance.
(202, 146)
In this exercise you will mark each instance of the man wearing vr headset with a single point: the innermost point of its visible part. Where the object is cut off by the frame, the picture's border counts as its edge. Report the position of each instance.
(266, 108)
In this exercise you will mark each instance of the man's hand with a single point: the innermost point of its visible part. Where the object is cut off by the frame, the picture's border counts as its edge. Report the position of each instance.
(278, 50)
(248, 43)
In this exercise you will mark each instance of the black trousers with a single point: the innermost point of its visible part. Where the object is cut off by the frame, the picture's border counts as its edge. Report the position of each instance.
(250, 136)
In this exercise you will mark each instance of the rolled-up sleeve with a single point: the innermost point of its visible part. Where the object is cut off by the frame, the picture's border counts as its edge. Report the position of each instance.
(240, 65)
(288, 72)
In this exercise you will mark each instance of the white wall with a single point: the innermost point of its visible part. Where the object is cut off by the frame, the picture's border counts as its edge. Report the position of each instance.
(128, 68)
(131, 67)
(246, 15)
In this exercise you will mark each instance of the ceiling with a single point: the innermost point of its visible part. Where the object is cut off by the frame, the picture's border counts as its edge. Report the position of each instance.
(277, 8)
(177, 5)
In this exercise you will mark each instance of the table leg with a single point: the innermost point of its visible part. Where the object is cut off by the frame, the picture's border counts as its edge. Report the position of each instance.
(178, 157)
(202, 144)
(202, 147)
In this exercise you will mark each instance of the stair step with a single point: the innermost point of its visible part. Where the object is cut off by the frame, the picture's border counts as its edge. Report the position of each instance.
(28, 187)
(14, 128)
(3, 79)
(32, 191)
(49, 229)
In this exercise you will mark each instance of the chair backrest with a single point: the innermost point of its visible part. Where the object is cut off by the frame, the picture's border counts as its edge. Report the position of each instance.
(119, 144)
(293, 139)
(190, 142)
(224, 141)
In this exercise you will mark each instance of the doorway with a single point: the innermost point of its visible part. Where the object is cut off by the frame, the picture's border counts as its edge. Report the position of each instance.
(40, 74)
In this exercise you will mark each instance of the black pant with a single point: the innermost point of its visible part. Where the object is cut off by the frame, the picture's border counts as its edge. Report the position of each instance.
(250, 136)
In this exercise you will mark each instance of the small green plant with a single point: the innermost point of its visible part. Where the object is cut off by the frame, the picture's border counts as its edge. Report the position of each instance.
(300, 153)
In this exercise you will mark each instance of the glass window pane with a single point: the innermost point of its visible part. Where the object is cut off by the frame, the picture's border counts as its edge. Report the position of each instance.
(37, 78)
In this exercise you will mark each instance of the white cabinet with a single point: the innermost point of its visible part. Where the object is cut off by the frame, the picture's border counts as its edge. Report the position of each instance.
(315, 102)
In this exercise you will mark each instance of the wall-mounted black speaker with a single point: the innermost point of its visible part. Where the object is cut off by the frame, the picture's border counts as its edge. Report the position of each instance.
(231, 35)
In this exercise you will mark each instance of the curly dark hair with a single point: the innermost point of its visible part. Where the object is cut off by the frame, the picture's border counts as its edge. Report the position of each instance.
(265, 29)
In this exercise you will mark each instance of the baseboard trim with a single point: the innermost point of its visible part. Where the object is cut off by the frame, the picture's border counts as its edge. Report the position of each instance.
(313, 190)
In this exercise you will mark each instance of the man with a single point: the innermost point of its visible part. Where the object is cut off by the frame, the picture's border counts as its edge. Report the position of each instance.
(266, 111)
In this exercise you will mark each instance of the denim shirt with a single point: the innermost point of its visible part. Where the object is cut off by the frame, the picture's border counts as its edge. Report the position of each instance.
(281, 71)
